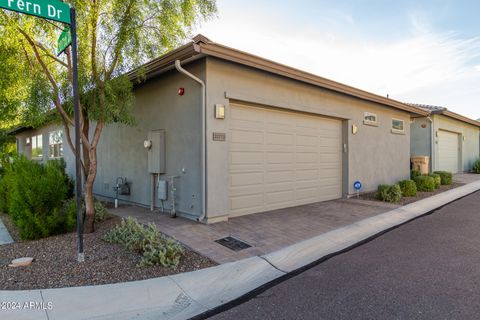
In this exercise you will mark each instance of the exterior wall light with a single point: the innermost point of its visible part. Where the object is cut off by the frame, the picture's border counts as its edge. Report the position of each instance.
(147, 144)
(219, 111)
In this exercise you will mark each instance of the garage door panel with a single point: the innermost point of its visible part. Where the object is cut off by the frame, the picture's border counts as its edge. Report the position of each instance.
(306, 157)
(300, 161)
(280, 197)
(277, 138)
(254, 201)
(306, 141)
(246, 136)
(302, 175)
(247, 158)
(279, 157)
(279, 176)
(246, 179)
(307, 193)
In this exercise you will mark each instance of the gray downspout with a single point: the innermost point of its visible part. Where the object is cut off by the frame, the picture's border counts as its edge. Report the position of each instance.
(432, 142)
(178, 66)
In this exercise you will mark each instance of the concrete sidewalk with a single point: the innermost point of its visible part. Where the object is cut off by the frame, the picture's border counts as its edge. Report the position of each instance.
(5, 237)
(186, 295)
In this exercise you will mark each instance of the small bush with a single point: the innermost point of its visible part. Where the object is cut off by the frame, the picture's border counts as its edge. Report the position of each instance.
(389, 193)
(476, 166)
(446, 178)
(414, 174)
(101, 213)
(408, 187)
(437, 178)
(425, 183)
(156, 249)
(35, 198)
(5, 186)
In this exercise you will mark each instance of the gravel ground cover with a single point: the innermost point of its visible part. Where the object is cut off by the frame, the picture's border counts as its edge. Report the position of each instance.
(420, 195)
(55, 264)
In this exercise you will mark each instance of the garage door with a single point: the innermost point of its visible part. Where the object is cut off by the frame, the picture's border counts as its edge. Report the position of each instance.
(281, 159)
(448, 151)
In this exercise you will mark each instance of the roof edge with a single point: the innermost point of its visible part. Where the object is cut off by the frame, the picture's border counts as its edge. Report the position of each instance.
(234, 55)
(457, 116)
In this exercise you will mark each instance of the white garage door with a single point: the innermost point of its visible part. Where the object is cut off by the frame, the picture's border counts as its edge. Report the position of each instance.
(281, 159)
(448, 151)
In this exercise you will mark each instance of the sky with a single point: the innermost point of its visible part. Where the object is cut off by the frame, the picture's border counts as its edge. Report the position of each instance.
(425, 52)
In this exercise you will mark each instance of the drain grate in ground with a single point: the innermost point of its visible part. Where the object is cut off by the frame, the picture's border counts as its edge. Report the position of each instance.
(233, 244)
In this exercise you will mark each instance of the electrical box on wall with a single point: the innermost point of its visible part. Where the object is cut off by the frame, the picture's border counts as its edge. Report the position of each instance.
(162, 190)
(156, 152)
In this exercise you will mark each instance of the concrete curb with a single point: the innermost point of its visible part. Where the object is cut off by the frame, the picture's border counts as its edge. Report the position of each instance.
(5, 237)
(190, 294)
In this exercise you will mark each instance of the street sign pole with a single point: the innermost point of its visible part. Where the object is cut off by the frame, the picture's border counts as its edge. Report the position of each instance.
(61, 12)
(78, 164)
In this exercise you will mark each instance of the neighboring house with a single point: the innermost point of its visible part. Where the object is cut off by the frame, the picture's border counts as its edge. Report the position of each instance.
(275, 136)
(449, 139)
(45, 143)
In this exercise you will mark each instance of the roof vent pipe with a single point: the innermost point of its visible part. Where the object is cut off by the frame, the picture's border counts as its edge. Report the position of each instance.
(178, 66)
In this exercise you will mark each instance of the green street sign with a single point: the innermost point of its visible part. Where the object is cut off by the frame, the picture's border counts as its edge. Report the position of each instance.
(48, 9)
(64, 40)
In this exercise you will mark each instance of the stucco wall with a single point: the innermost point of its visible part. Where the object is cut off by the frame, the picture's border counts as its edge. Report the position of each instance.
(421, 138)
(121, 152)
(158, 106)
(470, 145)
(375, 154)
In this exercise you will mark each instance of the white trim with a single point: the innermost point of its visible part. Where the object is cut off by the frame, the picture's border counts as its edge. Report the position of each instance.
(398, 131)
(370, 122)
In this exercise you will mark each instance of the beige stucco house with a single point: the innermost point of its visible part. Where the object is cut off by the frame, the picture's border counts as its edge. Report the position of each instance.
(239, 134)
(451, 141)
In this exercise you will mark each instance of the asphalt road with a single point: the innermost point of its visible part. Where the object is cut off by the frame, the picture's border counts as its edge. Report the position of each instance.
(426, 269)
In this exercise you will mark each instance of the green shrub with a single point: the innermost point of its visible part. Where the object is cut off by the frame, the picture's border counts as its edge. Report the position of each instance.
(156, 249)
(36, 197)
(408, 187)
(101, 213)
(425, 183)
(476, 166)
(5, 186)
(446, 178)
(437, 178)
(389, 193)
(61, 165)
(414, 174)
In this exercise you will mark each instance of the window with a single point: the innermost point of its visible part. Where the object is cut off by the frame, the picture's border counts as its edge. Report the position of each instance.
(37, 145)
(398, 126)
(55, 144)
(370, 119)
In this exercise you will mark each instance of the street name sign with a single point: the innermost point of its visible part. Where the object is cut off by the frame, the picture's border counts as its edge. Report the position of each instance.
(64, 40)
(49, 9)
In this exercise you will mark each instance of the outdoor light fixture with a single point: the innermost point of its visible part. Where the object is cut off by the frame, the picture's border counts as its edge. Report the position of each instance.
(219, 111)
(147, 144)
(181, 91)
(354, 129)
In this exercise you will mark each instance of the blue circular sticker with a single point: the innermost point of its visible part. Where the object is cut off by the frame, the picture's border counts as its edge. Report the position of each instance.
(357, 185)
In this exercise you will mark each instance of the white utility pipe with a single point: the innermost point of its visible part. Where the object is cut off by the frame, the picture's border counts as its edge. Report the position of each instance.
(432, 142)
(178, 66)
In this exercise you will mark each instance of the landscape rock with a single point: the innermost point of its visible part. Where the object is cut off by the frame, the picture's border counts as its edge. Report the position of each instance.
(21, 262)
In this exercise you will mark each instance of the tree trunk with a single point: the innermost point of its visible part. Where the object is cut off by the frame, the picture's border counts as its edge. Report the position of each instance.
(86, 157)
(89, 226)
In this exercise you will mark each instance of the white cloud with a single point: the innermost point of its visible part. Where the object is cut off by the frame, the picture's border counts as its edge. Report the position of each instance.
(426, 67)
